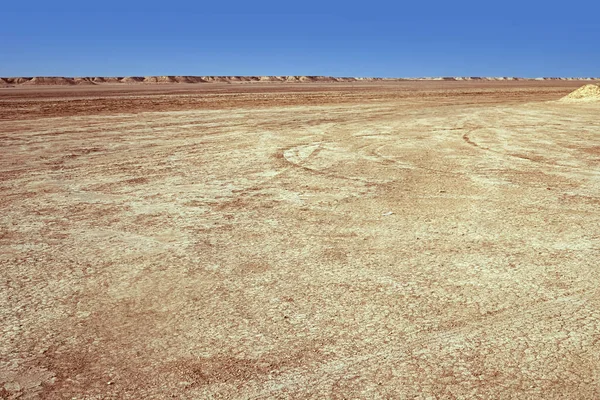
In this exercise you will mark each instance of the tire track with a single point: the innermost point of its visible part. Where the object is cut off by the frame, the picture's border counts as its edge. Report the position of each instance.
(467, 138)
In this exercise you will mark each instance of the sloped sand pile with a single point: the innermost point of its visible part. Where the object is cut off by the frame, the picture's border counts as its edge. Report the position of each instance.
(586, 93)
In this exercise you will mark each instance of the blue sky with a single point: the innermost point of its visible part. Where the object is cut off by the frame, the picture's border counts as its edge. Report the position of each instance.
(374, 38)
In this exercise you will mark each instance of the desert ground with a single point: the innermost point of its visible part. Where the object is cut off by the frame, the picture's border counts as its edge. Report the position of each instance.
(349, 240)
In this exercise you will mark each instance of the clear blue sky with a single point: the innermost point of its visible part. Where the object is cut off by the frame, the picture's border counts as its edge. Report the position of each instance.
(303, 37)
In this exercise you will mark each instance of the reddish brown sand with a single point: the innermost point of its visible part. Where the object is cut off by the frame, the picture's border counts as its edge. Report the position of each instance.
(348, 240)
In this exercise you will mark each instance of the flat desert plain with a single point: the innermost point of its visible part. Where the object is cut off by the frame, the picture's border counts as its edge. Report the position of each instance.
(404, 240)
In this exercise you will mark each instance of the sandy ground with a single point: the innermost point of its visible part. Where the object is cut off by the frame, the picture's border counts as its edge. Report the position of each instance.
(407, 240)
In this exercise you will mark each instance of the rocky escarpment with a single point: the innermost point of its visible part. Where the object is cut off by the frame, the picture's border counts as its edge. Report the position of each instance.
(153, 80)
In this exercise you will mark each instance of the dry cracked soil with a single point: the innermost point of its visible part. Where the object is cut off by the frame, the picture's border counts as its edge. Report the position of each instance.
(407, 240)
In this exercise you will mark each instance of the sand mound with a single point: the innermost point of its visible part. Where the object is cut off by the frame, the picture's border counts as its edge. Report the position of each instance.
(50, 80)
(586, 93)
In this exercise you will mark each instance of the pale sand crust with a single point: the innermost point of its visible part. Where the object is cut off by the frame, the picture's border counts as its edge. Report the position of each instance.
(401, 240)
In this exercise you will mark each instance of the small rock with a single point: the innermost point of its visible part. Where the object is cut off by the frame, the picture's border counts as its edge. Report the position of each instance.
(12, 386)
